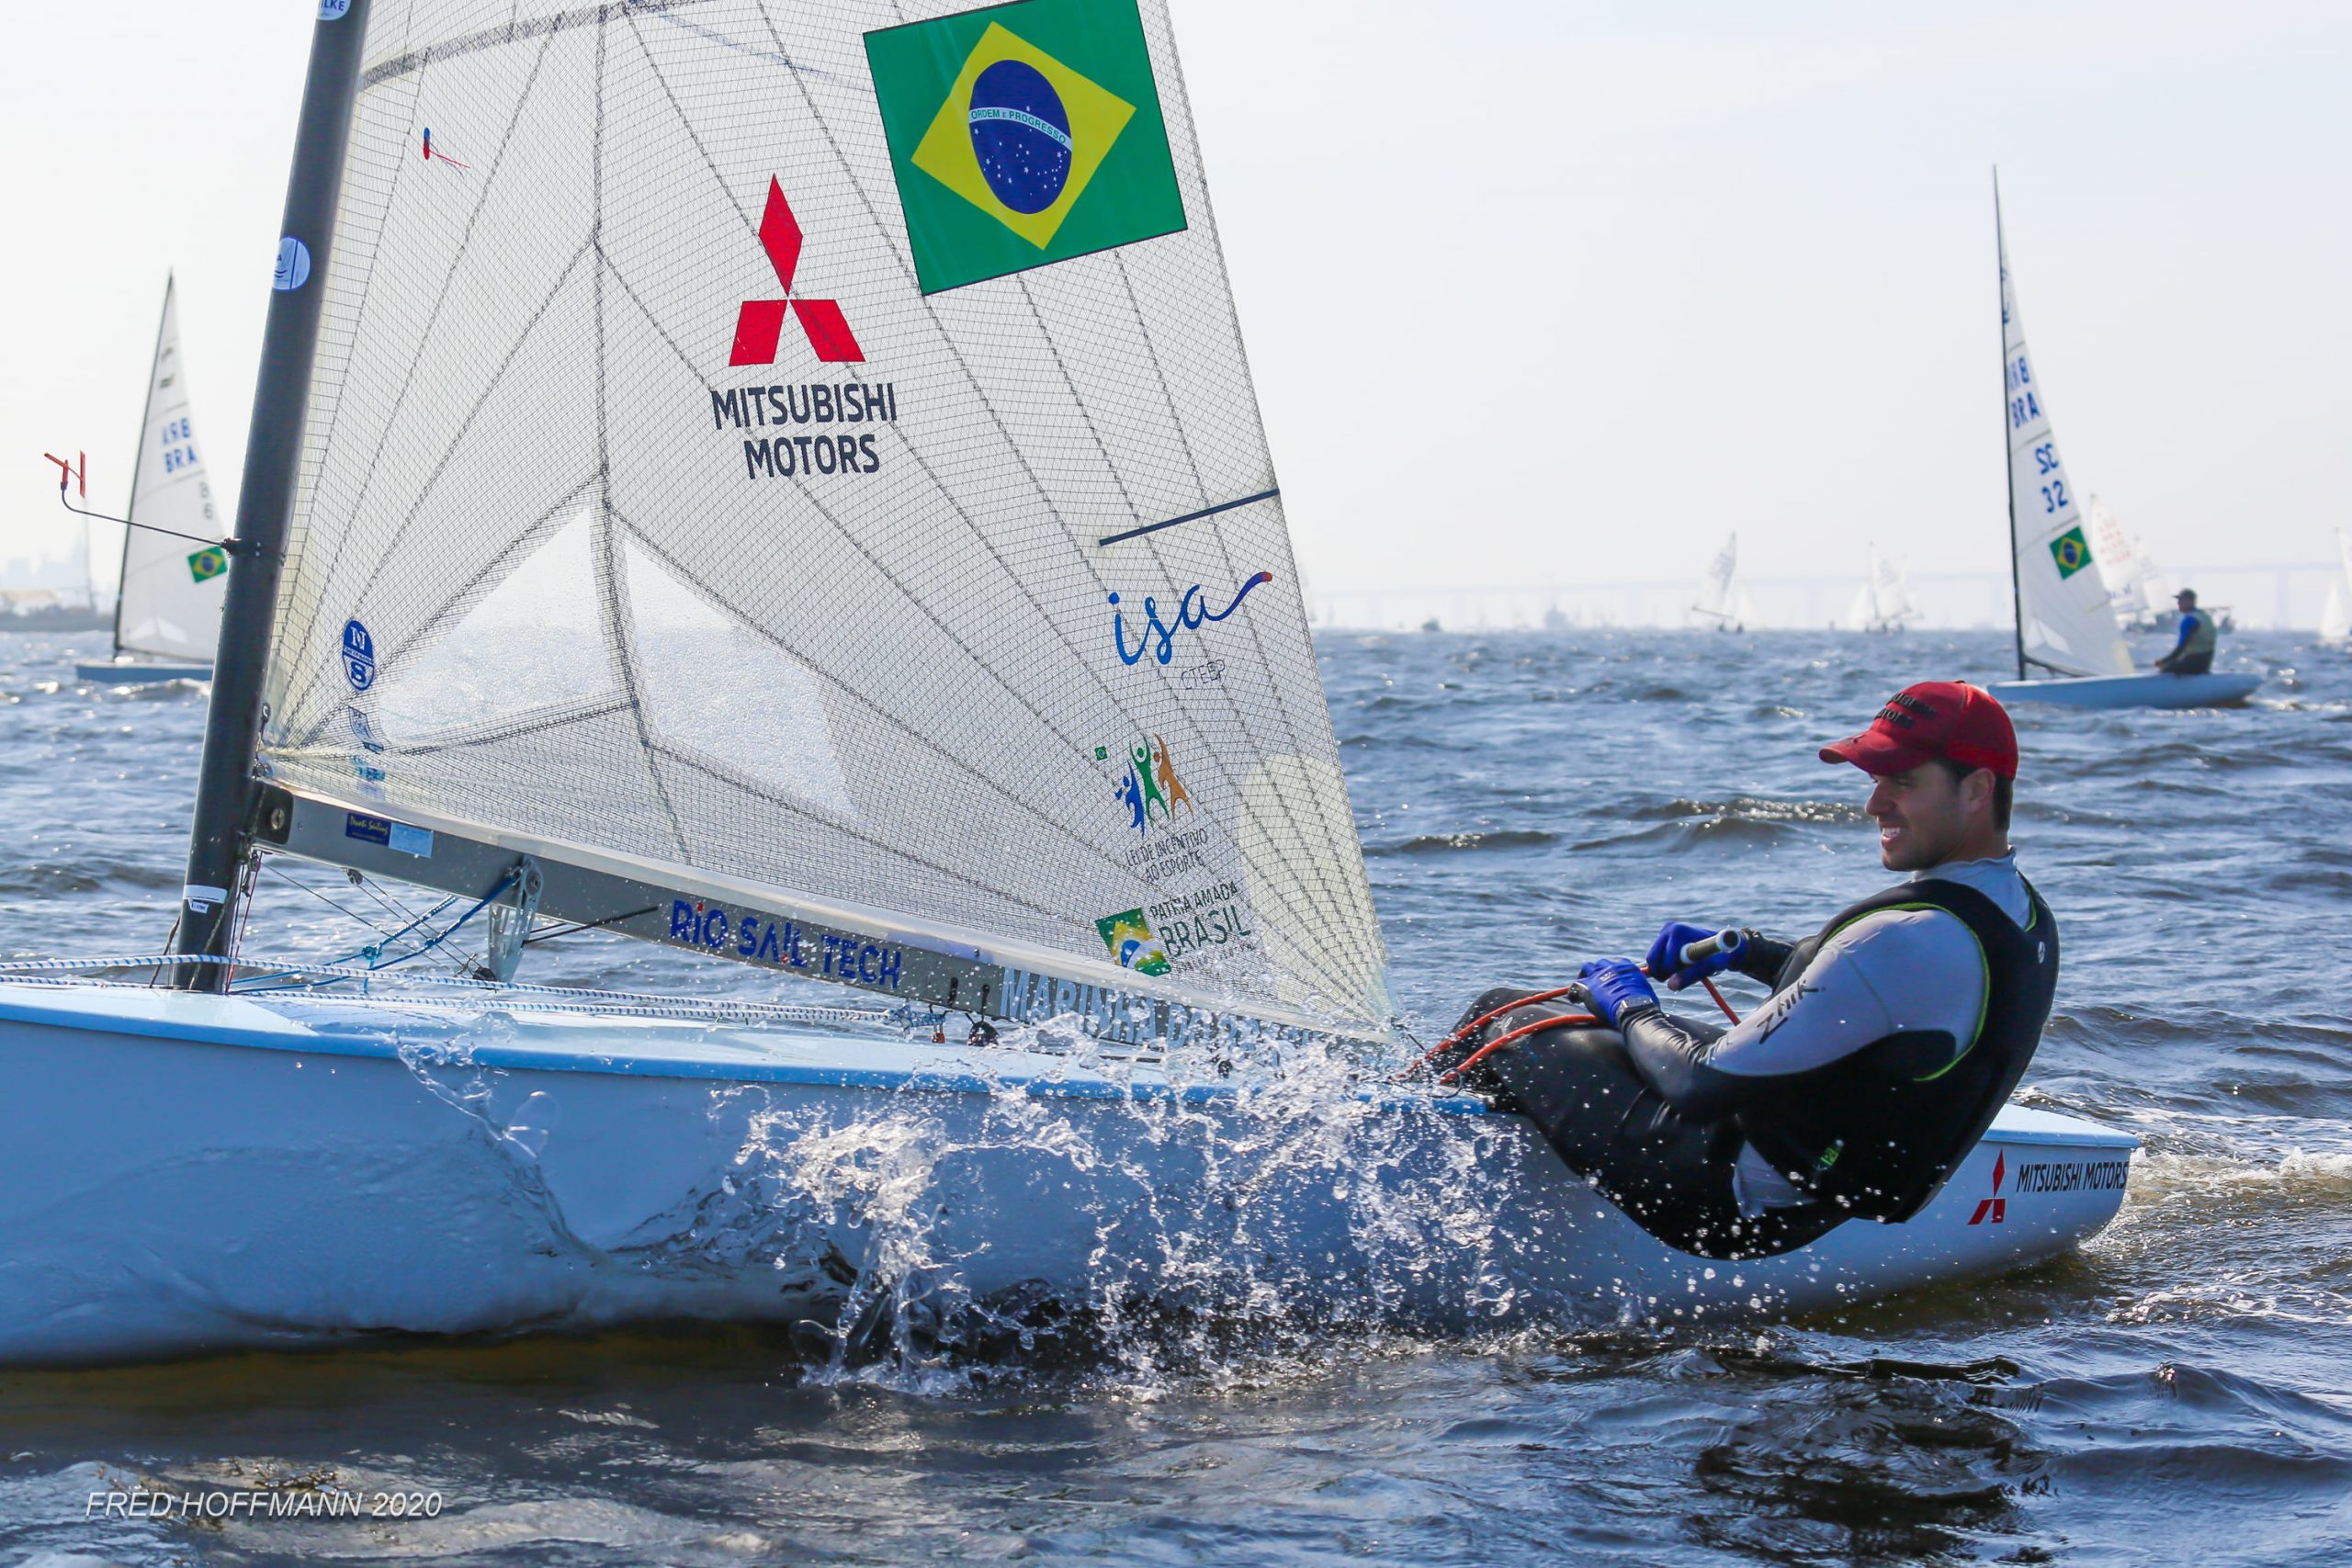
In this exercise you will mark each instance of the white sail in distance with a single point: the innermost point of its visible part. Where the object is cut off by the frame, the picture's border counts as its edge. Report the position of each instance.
(721, 466)
(2065, 625)
(2335, 616)
(1721, 598)
(1883, 602)
(173, 584)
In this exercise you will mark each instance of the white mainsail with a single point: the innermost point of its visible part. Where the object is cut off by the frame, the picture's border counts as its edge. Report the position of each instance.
(173, 584)
(2335, 619)
(2120, 565)
(1883, 602)
(664, 509)
(2065, 625)
(1722, 600)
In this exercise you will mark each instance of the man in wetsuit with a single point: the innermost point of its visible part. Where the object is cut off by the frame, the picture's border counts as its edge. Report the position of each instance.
(1891, 1040)
(2193, 654)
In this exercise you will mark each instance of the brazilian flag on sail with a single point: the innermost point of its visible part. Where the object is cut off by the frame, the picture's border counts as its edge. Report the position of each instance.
(1023, 135)
(209, 563)
(2071, 551)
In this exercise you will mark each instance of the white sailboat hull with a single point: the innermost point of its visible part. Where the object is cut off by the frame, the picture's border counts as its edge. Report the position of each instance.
(185, 1173)
(142, 672)
(2216, 689)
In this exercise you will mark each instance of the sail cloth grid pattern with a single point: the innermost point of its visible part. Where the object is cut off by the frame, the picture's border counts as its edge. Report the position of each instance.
(2065, 624)
(173, 584)
(649, 505)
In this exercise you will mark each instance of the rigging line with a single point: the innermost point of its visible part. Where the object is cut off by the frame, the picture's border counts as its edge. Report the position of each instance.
(349, 914)
(1188, 517)
(232, 544)
(574, 928)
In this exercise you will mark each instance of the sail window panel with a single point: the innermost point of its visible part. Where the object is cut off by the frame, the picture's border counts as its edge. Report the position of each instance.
(534, 641)
(710, 684)
(431, 518)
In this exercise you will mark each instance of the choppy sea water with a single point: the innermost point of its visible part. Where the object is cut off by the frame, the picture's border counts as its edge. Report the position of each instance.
(2179, 1391)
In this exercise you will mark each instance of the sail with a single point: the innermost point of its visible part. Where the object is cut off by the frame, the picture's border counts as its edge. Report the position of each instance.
(173, 584)
(2120, 565)
(2063, 622)
(805, 457)
(1718, 592)
(2335, 619)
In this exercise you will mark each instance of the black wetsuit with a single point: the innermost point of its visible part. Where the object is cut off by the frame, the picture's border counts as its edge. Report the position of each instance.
(1874, 1134)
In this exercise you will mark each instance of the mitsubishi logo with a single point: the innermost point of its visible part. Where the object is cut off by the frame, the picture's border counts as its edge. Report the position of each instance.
(1996, 1206)
(759, 323)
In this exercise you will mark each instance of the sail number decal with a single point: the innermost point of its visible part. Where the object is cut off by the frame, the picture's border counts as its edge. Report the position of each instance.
(2023, 409)
(2053, 496)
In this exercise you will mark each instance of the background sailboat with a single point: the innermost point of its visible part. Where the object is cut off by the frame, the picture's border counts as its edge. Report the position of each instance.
(167, 610)
(2335, 616)
(2069, 649)
(820, 539)
(1724, 602)
(1883, 602)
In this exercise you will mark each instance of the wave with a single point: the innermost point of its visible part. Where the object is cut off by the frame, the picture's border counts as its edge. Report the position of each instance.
(1445, 843)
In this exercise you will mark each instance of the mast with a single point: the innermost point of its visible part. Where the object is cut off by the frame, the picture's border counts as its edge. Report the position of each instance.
(2008, 448)
(138, 455)
(225, 791)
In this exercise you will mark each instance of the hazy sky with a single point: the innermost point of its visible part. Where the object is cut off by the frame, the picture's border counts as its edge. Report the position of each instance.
(1532, 289)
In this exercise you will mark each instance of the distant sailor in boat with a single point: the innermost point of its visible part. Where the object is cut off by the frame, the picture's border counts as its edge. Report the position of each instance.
(2193, 654)
(1892, 1038)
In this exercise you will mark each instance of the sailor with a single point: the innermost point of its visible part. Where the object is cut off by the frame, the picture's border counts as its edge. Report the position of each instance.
(1892, 1038)
(2193, 654)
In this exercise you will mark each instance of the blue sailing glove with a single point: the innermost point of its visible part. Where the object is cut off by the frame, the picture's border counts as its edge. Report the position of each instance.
(1615, 987)
(1665, 961)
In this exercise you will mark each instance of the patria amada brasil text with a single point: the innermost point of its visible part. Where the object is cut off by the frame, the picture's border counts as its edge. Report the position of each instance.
(828, 451)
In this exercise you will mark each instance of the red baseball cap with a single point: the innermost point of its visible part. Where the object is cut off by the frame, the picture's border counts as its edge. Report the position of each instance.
(1947, 719)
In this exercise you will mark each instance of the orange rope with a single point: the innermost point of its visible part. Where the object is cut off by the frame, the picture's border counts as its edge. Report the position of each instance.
(1500, 1041)
(1476, 1024)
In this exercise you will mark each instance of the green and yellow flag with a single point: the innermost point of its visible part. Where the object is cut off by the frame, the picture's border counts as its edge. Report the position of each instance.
(208, 563)
(2071, 551)
(1023, 135)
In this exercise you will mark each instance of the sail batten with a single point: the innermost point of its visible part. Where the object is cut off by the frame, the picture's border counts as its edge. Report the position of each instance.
(936, 559)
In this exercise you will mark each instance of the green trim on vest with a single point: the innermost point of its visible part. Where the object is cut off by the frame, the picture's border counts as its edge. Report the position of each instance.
(1984, 973)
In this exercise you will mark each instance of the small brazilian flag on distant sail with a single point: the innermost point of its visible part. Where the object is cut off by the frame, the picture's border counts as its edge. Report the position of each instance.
(2072, 552)
(1024, 135)
(207, 564)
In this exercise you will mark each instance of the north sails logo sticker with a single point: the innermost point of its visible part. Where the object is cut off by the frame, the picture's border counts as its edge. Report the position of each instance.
(358, 656)
(759, 323)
